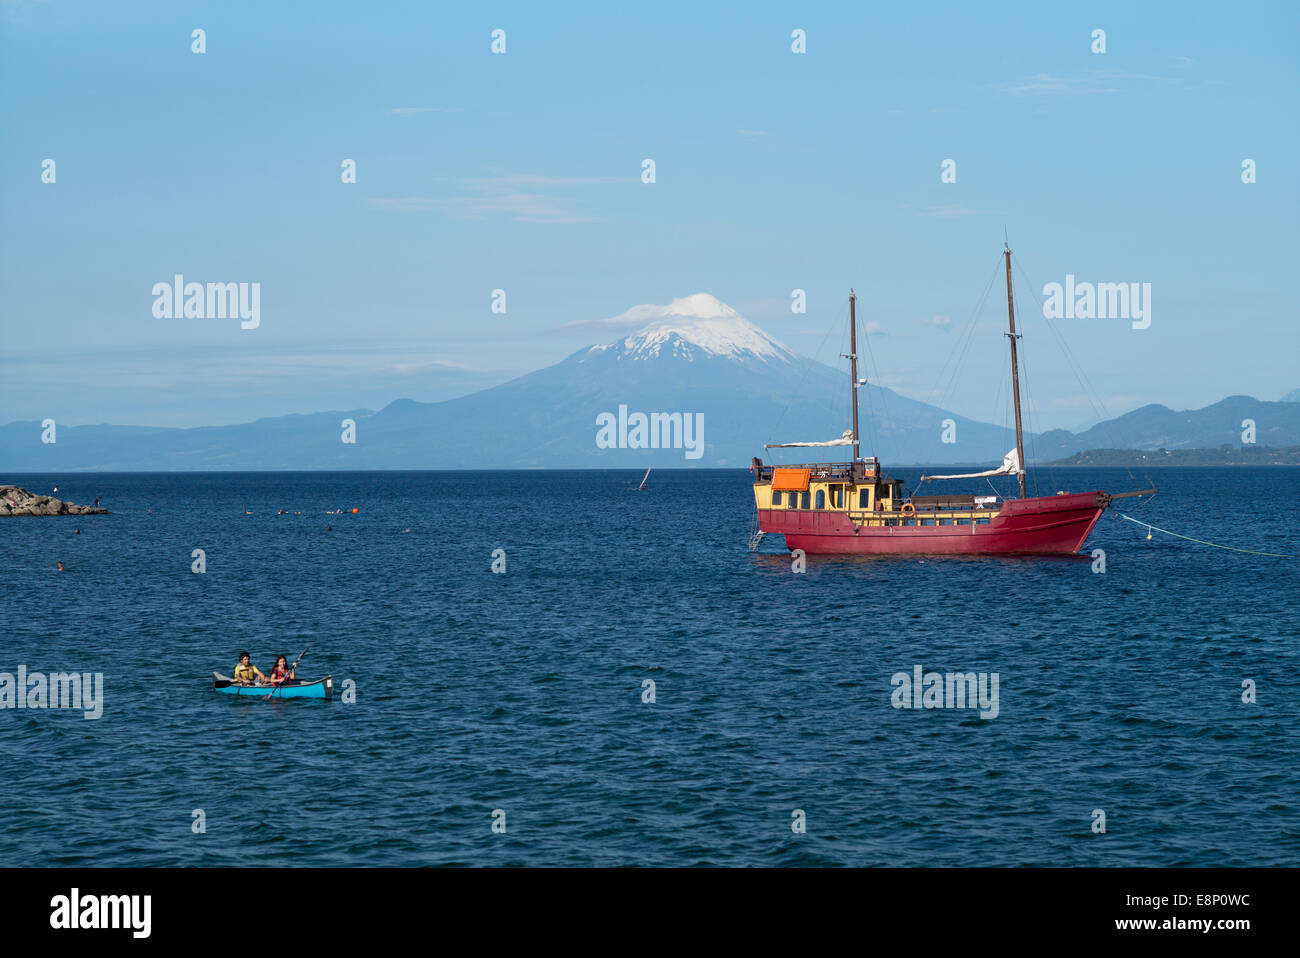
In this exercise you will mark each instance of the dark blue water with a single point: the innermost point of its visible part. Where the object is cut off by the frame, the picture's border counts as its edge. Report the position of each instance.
(523, 691)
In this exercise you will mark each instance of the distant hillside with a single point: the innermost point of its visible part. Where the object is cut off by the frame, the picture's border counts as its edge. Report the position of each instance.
(1225, 455)
(1156, 427)
(1292, 396)
(697, 385)
(696, 358)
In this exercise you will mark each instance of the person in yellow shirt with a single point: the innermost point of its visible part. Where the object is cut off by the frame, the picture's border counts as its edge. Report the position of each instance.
(246, 672)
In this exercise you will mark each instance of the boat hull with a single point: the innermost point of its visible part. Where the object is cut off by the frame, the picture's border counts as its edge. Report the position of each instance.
(1045, 525)
(320, 689)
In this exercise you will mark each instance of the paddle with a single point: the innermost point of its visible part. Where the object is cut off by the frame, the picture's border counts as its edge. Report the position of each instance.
(292, 669)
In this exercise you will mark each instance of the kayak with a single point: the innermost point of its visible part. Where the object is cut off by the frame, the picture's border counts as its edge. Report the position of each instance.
(319, 689)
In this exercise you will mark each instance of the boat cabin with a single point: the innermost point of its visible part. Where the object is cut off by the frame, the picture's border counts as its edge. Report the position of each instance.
(862, 492)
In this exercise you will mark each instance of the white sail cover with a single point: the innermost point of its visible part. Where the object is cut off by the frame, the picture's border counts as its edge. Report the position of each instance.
(1010, 467)
(844, 440)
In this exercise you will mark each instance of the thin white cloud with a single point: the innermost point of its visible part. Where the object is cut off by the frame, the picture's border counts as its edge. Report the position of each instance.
(405, 204)
(698, 306)
(413, 110)
(1097, 82)
(617, 324)
(405, 368)
(954, 212)
(1045, 84)
(523, 197)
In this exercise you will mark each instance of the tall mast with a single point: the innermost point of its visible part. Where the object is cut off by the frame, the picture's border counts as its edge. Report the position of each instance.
(1015, 375)
(853, 367)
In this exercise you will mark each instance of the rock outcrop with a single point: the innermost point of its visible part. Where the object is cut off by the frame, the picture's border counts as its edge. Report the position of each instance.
(19, 502)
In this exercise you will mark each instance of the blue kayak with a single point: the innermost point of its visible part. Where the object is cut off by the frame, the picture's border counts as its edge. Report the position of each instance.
(319, 689)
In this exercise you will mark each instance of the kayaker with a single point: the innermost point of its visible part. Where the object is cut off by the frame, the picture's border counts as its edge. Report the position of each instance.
(281, 671)
(246, 672)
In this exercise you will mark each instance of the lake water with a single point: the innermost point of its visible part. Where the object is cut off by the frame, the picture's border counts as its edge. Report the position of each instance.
(522, 691)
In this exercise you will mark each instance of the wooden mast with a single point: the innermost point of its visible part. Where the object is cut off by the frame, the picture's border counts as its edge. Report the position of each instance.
(1015, 375)
(853, 368)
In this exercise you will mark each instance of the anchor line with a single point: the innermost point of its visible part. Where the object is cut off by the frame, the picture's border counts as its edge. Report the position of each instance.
(1149, 526)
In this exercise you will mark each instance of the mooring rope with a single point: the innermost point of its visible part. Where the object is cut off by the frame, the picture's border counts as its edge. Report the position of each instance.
(1149, 526)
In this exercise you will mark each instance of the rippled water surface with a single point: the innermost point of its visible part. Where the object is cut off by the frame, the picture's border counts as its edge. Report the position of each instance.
(523, 691)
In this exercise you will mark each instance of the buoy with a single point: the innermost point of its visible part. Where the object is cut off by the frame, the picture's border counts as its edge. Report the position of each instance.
(355, 510)
(1178, 535)
(1148, 535)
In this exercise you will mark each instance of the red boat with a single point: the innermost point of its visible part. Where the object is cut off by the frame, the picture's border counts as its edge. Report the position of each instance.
(852, 507)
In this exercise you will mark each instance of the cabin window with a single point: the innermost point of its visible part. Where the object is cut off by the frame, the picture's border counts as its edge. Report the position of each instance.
(927, 522)
(864, 498)
(909, 522)
(821, 498)
(776, 499)
(982, 521)
(945, 522)
(837, 496)
(891, 522)
(963, 522)
(803, 499)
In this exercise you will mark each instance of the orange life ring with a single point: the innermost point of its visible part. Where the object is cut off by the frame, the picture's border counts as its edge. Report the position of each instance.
(909, 509)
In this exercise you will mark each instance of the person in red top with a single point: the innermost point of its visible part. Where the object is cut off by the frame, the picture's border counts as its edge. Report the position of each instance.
(281, 672)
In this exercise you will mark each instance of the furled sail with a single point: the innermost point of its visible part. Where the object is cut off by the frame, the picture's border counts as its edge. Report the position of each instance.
(1010, 467)
(844, 440)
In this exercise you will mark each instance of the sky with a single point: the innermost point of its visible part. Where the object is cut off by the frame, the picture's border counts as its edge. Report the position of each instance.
(521, 171)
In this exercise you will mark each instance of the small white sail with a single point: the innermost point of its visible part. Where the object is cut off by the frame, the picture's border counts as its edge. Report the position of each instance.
(643, 479)
(844, 440)
(1010, 467)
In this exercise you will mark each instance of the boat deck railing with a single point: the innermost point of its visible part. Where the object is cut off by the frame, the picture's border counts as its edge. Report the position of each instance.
(822, 471)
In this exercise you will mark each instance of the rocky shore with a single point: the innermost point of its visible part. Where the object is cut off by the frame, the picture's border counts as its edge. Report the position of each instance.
(19, 502)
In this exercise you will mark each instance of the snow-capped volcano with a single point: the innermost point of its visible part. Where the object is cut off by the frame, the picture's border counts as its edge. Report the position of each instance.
(694, 326)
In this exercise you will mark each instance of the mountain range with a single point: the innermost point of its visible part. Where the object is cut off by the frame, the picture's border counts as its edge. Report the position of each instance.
(696, 357)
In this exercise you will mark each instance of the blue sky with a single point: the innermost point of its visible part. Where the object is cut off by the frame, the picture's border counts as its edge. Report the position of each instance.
(521, 171)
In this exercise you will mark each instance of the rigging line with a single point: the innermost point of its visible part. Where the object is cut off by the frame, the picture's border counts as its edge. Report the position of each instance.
(1030, 420)
(951, 390)
(965, 337)
(884, 404)
(964, 334)
(871, 413)
(1149, 526)
(876, 446)
(1030, 417)
(802, 379)
(964, 341)
(1090, 393)
(1002, 400)
(960, 350)
(842, 405)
